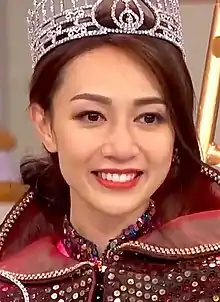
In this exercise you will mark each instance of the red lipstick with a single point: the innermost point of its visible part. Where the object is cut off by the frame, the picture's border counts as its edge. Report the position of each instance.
(118, 178)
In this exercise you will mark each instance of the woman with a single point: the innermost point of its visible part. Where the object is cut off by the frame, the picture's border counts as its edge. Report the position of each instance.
(121, 208)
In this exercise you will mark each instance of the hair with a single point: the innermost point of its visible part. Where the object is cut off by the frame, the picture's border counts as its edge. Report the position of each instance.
(168, 65)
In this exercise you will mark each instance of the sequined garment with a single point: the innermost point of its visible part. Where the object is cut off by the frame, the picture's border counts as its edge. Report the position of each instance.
(178, 262)
(130, 277)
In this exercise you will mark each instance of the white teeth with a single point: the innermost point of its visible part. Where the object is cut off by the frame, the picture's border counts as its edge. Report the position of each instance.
(117, 177)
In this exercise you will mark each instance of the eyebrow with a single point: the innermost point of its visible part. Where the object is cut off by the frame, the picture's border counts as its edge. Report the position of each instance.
(107, 101)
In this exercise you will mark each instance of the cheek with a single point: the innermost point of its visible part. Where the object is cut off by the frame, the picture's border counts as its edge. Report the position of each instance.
(158, 147)
(75, 145)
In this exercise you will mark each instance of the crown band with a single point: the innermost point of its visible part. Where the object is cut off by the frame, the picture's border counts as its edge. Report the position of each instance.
(55, 22)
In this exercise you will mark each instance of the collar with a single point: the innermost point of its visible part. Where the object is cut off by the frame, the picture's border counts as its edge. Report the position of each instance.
(82, 249)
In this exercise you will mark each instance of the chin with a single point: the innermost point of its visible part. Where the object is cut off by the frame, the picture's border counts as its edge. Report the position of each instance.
(118, 206)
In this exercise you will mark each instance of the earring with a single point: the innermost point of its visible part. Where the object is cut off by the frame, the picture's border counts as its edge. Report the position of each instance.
(176, 159)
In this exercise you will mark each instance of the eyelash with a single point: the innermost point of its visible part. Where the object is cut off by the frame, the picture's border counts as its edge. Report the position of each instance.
(156, 116)
(82, 115)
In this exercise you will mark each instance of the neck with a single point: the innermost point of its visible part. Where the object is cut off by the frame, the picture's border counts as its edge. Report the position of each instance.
(99, 227)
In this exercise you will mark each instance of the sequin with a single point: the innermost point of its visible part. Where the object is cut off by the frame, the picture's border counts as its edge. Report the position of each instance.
(138, 276)
(154, 298)
(154, 281)
(56, 287)
(131, 291)
(75, 296)
(147, 286)
(139, 285)
(116, 293)
(62, 293)
(69, 289)
(116, 258)
(215, 298)
(111, 276)
(130, 281)
(123, 288)
(54, 296)
(194, 284)
(146, 278)
(179, 278)
(147, 296)
(75, 285)
(203, 278)
(4, 288)
(187, 274)
(117, 300)
(169, 276)
(139, 294)
(162, 292)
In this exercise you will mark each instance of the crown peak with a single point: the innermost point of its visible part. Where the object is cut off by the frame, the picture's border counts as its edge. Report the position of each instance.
(54, 22)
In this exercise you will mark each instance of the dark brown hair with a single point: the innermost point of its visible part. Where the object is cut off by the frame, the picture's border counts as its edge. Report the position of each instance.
(167, 64)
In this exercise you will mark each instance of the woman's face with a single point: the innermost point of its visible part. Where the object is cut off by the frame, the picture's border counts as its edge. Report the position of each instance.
(112, 131)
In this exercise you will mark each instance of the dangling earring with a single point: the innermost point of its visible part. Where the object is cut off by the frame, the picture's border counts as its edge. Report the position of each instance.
(176, 159)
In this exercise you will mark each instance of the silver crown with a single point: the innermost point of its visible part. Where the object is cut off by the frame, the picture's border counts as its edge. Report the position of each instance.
(54, 22)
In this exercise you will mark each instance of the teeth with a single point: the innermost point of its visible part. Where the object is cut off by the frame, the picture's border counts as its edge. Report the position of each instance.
(117, 177)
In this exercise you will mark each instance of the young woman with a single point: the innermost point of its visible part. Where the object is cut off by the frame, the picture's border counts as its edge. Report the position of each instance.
(120, 208)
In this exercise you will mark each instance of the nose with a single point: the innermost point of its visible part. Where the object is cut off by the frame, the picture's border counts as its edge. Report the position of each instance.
(120, 145)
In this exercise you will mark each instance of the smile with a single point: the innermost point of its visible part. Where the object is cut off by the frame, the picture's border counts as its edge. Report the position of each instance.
(118, 179)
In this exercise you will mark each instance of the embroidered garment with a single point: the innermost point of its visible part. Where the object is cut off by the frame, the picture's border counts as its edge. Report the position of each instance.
(180, 261)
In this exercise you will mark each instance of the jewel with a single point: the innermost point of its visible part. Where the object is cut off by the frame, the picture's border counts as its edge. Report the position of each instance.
(55, 22)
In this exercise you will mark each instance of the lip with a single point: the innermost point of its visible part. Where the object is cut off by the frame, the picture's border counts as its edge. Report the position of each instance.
(109, 184)
(118, 171)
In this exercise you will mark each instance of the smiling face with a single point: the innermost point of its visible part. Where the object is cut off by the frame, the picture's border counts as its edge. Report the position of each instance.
(112, 131)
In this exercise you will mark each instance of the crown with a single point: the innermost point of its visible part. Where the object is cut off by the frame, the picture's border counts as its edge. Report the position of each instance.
(55, 22)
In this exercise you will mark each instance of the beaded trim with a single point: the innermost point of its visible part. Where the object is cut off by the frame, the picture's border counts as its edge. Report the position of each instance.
(9, 276)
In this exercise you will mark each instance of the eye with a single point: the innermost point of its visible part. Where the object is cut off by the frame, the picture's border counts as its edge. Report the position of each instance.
(90, 117)
(149, 118)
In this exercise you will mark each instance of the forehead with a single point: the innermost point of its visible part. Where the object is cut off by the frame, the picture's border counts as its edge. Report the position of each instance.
(112, 72)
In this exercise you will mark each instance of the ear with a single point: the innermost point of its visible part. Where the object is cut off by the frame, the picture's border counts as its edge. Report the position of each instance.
(43, 125)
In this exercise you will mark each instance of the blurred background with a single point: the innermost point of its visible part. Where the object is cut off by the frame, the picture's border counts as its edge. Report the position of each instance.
(15, 71)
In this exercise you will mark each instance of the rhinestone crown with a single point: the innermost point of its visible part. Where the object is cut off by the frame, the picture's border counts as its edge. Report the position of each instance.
(54, 22)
